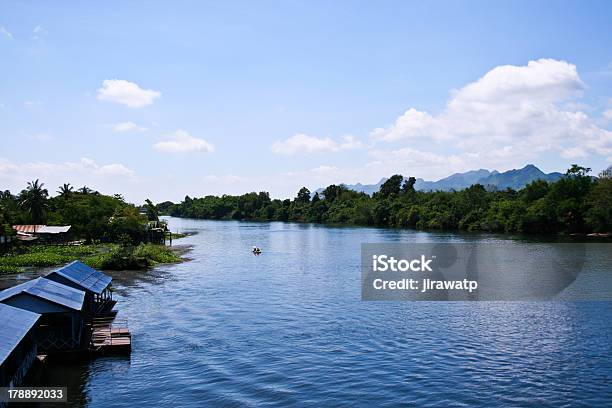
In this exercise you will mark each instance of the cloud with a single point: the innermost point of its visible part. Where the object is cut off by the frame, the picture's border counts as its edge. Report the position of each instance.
(303, 143)
(183, 142)
(38, 32)
(128, 127)
(83, 172)
(607, 114)
(509, 115)
(126, 93)
(6, 33)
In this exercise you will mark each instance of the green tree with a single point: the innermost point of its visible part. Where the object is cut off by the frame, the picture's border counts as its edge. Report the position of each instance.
(391, 186)
(151, 209)
(34, 200)
(65, 190)
(303, 196)
(408, 186)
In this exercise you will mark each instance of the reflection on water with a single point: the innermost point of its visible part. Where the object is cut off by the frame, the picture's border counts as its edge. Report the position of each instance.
(289, 328)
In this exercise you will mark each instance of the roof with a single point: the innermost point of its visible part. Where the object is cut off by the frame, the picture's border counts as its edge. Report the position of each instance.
(16, 323)
(84, 276)
(41, 229)
(49, 290)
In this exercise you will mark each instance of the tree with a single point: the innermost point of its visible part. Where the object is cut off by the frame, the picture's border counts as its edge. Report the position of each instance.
(303, 196)
(578, 171)
(599, 215)
(152, 212)
(65, 190)
(408, 186)
(85, 190)
(606, 174)
(391, 186)
(34, 200)
(331, 192)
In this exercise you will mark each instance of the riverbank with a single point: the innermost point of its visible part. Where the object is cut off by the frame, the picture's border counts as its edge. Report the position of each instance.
(99, 256)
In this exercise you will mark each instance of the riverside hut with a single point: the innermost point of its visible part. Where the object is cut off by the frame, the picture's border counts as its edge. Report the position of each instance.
(95, 284)
(47, 233)
(17, 344)
(60, 327)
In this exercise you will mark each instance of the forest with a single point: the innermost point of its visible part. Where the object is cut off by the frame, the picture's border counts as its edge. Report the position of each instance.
(94, 217)
(577, 203)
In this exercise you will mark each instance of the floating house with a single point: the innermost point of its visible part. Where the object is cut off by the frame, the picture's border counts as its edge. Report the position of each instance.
(17, 344)
(96, 285)
(61, 325)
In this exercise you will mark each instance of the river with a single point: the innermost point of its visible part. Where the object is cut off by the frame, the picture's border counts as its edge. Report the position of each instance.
(289, 328)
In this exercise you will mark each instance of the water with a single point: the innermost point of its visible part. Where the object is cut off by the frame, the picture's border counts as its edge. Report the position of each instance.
(288, 328)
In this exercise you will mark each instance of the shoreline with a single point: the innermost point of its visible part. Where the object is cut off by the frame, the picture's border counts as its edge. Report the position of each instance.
(22, 260)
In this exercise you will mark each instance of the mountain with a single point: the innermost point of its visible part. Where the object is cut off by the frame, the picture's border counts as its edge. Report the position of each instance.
(515, 179)
(361, 188)
(457, 181)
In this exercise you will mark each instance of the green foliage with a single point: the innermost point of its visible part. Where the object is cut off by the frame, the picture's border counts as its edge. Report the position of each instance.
(101, 256)
(34, 201)
(575, 203)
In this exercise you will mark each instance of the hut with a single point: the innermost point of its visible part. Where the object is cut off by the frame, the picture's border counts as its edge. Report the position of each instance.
(17, 344)
(47, 233)
(95, 284)
(60, 327)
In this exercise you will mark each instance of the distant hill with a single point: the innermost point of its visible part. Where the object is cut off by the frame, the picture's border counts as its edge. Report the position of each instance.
(515, 179)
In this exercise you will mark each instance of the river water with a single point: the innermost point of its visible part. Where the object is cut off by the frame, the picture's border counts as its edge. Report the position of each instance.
(289, 328)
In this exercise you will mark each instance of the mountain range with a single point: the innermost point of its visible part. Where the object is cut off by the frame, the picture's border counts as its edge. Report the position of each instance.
(515, 179)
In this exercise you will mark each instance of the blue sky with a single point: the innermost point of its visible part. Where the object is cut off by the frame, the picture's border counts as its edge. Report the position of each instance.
(169, 99)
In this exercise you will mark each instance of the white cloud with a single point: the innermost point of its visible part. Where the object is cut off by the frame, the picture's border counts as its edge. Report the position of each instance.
(607, 114)
(114, 170)
(183, 142)
(303, 143)
(6, 32)
(574, 153)
(510, 115)
(128, 127)
(126, 93)
(38, 32)
(106, 177)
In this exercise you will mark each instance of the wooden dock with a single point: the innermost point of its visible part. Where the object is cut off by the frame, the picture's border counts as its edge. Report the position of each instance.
(110, 336)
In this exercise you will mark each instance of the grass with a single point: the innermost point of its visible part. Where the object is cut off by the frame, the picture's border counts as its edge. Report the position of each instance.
(179, 235)
(101, 256)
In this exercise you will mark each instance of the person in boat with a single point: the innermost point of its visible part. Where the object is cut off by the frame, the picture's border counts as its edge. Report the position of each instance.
(256, 250)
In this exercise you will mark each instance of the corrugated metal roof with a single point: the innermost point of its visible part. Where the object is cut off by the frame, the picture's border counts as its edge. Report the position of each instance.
(49, 290)
(84, 276)
(15, 325)
(41, 229)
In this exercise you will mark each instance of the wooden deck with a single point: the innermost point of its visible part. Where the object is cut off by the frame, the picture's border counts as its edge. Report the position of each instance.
(110, 337)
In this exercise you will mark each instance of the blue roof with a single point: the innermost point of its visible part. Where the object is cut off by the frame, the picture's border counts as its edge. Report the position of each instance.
(49, 290)
(15, 325)
(84, 276)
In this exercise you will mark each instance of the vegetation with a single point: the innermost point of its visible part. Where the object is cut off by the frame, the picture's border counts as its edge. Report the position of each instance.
(115, 233)
(93, 217)
(577, 203)
(102, 256)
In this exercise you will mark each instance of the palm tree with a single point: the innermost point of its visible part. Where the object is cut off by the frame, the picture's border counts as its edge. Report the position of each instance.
(34, 200)
(65, 190)
(85, 190)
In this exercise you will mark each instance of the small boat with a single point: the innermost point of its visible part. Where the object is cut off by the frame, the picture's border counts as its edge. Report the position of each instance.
(256, 250)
